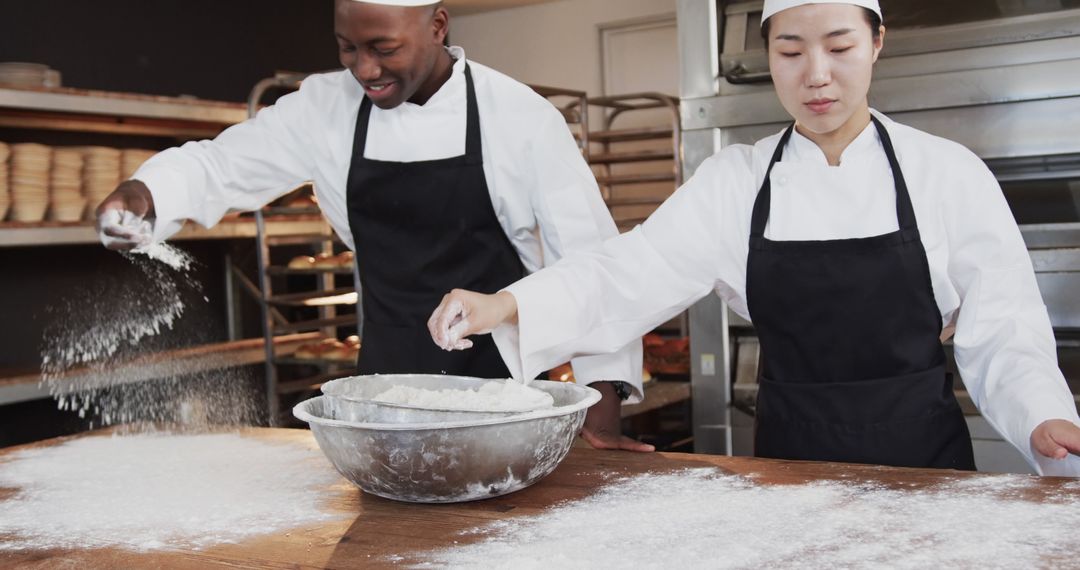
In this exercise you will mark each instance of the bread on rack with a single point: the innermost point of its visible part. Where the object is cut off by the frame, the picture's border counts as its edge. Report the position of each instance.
(345, 259)
(302, 262)
(5, 193)
(66, 200)
(352, 344)
(325, 261)
(303, 201)
(29, 181)
(343, 353)
(317, 350)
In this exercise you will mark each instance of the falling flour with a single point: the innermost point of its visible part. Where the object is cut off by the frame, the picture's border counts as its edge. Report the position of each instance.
(701, 518)
(494, 396)
(149, 492)
(175, 258)
(98, 329)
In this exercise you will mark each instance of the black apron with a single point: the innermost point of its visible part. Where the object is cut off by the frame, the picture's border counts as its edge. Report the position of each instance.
(854, 370)
(421, 229)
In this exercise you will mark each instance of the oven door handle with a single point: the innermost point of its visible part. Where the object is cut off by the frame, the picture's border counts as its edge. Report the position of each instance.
(739, 75)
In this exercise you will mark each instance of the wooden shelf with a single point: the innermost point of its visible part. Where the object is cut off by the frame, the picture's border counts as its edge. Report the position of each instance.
(632, 156)
(314, 361)
(62, 104)
(288, 211)
(27, 386)
(301, 238)
(103, 124)
(284, 270)
(315, 324)
(343, 296)
(644, 201)
(625, 135)
(13, 234)
(635, 178)
(312, 382)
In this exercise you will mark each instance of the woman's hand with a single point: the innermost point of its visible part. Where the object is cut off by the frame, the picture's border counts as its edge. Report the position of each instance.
(1056, 439)
(464, 313)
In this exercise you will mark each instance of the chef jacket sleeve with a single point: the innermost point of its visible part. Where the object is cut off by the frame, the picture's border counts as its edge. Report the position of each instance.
(595, 301)
(571, 215)
(244, 168)
(1004, 344)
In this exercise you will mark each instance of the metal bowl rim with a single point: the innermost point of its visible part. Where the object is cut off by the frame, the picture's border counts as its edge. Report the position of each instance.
(592, 396)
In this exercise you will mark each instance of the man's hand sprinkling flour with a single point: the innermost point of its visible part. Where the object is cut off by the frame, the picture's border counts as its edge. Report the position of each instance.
(463, 313)
(124, 217)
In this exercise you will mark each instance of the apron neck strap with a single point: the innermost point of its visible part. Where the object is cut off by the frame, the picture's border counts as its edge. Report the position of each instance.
(472, 120)
(905, 212)
(764, 198)
(473, 146)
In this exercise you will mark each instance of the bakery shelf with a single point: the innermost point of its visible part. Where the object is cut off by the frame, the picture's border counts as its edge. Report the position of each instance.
(310, 383)
(341, 296)
(25, 386)
(291, 211)
(14, 234)
(635, 178)
(626, 135)
(302, 238)
(291, 361)
(324, 294)
(284, 270)
(67, 101)
(103, 124)
(571, 104)
(647, 155)
(643, 201)
(331, 322)
(638, 135)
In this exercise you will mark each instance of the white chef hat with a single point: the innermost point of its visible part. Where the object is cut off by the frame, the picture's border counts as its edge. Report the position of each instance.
(774, 6)
(401, 2)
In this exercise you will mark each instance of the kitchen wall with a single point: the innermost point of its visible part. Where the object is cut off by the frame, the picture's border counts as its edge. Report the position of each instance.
(555, 44)
(218, 50)
(208, 48)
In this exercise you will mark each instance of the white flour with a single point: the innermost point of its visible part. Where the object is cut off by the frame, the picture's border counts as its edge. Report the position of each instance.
(495, 396)
(176, 258)
(701, 518)
(151, 492)
(101, 327)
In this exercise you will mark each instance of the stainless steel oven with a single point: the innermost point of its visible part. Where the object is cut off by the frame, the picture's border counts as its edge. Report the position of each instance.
(1001, 77)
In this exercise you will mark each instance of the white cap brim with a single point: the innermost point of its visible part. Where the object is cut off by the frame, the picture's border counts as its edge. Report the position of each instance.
(774, 6)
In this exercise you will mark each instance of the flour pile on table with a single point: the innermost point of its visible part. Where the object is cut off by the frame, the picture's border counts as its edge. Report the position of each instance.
(109, 323)
(151, 492)
(701, 518)
(495, 396)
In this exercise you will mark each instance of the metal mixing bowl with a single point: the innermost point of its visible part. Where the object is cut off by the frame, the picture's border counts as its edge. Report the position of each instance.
(448, 462)
(353, 399)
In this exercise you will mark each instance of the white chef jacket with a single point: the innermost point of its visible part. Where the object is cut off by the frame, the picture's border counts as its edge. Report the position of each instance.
(698, 242)
(544, 195)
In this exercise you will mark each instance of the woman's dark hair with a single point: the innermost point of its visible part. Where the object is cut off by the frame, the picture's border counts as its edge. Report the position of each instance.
(871, 18)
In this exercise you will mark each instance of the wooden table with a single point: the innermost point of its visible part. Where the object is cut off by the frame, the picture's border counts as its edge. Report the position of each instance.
(375, 532)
